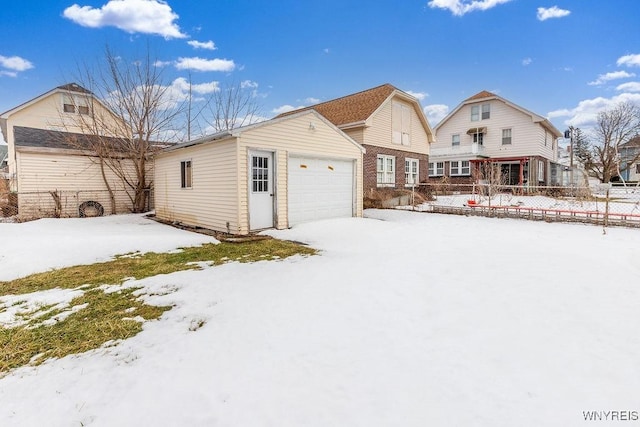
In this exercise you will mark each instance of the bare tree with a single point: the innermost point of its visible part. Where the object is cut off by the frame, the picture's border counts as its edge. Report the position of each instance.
(129, 115)
(234, 105)
(614, 127)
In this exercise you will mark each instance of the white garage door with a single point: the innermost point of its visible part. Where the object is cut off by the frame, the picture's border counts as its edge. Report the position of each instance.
(319, 189)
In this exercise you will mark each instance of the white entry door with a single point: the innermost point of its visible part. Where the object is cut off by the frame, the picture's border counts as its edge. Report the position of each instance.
(261, 191)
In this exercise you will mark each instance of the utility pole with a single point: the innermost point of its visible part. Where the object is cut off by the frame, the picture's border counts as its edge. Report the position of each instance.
(569, 134)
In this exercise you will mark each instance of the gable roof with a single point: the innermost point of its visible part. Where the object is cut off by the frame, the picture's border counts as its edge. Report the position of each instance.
(487, 96)
(69, 87)
(234, 133)
(353, 108)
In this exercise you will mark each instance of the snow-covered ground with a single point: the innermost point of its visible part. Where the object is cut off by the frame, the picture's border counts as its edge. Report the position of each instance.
(405, 319)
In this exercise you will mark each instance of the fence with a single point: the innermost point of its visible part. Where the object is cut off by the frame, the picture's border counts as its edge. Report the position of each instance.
(66, 204)
(602, 204)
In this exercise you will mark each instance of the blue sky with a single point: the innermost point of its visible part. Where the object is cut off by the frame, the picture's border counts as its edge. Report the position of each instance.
(563, 59)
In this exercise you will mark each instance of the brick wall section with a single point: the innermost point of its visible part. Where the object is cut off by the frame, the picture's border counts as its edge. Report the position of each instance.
(370, 180)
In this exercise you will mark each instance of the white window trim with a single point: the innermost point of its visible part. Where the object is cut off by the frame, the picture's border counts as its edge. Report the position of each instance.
(434, 169)
(459, 169)
(455, 143)
(183, 174)
(510, 136)
(540, 171)
(388, 176)
(410, 180)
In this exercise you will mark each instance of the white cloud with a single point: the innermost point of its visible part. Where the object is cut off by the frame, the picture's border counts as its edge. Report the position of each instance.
(312, 100)
(584, 115)
(248, 84)
(615, 75)
(210, 45)
(629, 87)
(132, 16)
(460, 7)
(545, 13)
(201, 64)
(182, 85)
(629, 60)
(15, 63)
(419, 95)
(8, 73)
(285, 109)
(161, 64)
(526, 61)
(435, 113)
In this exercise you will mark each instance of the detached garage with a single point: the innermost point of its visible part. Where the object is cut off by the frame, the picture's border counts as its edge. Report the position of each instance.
(276, 173)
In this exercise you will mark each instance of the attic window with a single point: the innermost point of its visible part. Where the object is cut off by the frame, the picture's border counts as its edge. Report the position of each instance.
(69, 108)
(83, 109)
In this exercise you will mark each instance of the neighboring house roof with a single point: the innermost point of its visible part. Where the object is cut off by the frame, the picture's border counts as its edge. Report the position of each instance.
(234, 133)
(487, 96)
(355, 109)
(632, 143)
(69, 87)
(53, 139)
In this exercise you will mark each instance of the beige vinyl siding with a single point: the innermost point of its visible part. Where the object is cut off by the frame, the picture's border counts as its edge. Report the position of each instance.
(294, 136)
(527, 137)
(78, 179)
(212, 201)
(380, 132)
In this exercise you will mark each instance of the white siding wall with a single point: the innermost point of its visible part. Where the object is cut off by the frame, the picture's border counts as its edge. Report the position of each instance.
(78, 178)
(380, 131)
(528, 138)
(212, 201)
(294, 136)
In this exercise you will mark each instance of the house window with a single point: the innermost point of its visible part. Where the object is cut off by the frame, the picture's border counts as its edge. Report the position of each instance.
(401, 122)
(460, 168)
(185, 174)
(478, 138)
(475, 113)
(638, 168)
(455, 140)
(506, 136)
(386, 167)
(411, 168)
(436, 168)
(476, 109)
(486, 111)
(540, 171)
(69, 108)
(83, 109)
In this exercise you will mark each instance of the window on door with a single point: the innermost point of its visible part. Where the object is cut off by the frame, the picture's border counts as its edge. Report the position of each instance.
(478, 138)
(185, 174)
(259, 174)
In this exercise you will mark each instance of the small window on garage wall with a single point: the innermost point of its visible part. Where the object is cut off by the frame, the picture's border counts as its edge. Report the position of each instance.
(185, 173)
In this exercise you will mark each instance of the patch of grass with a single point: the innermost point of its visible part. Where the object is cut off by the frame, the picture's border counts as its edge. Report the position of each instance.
(152, 264)
(108, 316)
